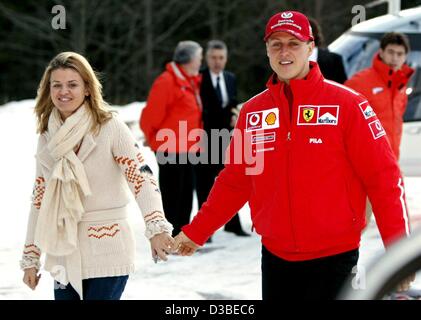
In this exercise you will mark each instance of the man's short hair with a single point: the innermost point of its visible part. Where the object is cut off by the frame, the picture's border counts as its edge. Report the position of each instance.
(185, 51)
(317, 32)
(395, 38)
(216, 44)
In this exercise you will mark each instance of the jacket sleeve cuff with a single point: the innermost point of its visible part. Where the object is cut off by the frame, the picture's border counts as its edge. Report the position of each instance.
(156, 227)
(30, 262)
(195, 236)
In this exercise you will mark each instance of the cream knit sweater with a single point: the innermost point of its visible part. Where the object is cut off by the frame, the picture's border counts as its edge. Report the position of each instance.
(113, 165)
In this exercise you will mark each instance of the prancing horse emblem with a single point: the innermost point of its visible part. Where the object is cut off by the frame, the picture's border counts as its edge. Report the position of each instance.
(308, 114)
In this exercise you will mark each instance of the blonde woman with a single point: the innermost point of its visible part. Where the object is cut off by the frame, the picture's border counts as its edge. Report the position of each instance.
(86, 162)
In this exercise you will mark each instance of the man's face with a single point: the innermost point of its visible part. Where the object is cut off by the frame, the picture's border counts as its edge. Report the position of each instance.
(288, 56)
(394, 56)
(216, 60)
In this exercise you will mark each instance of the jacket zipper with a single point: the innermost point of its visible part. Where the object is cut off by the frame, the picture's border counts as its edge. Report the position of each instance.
(289, 191)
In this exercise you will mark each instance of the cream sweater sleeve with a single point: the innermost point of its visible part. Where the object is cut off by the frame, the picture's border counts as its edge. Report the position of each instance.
(31, 253)
(140, 179)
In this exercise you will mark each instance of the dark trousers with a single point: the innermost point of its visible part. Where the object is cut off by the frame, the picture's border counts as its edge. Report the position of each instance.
(108, 288)
(318, 279)
(176, 182)
(205, 178)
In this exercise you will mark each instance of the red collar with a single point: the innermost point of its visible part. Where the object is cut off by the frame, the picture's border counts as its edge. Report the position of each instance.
(181, 76)
(397, 78)
(298, 86)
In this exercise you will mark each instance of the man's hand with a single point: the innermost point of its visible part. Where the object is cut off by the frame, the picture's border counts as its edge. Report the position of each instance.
(183, 245)
(161, 245)
(406, 283)
(30, 278)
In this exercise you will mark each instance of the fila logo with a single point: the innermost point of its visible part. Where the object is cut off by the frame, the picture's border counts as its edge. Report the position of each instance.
(315, 140)
(367, 110)
(261, 120)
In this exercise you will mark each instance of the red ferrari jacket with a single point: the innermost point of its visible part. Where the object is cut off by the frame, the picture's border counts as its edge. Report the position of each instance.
(385, 90)
(174, 105)
(307, 193)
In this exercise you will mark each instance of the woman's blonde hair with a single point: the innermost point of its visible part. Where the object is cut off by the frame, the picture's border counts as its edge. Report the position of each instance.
(94, 102)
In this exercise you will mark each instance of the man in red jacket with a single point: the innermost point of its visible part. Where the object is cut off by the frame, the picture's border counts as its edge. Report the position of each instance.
(322, 156)
(384, 85)
(170, 120)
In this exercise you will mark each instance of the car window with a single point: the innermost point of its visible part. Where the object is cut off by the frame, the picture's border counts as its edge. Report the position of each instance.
(413, 110)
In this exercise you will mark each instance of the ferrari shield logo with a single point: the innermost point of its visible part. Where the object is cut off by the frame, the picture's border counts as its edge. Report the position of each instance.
(308, 114)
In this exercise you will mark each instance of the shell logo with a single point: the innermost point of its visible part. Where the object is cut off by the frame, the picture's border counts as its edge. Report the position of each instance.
(271, 119)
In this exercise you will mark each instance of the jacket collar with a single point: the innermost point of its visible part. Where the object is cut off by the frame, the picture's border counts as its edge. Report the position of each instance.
(45, 158)
(181, 77)
(393, 78)
(298, 86)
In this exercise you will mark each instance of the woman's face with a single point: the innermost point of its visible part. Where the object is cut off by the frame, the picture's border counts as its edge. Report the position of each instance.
(67, 90)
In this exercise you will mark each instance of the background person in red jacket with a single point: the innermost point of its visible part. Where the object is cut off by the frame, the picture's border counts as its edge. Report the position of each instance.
(322, 156)
(173, 111)
(384, 85)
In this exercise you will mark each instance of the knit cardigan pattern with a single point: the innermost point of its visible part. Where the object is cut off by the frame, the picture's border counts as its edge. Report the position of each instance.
(114, 166)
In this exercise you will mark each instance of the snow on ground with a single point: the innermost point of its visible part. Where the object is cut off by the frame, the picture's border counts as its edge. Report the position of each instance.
(227, 268)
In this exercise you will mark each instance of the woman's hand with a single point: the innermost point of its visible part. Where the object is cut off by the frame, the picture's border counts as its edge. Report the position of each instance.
(30, 278)
(161, 245)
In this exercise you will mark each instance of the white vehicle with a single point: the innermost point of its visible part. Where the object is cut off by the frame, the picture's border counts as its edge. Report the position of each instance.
(358, 46)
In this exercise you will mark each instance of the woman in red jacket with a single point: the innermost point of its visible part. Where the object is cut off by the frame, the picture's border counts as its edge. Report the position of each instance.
(322, 156)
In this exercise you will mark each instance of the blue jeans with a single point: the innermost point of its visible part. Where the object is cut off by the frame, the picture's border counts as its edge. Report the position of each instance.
(108, 288)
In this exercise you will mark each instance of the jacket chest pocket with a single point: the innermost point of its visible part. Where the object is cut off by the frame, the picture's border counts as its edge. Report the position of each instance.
(105, 238)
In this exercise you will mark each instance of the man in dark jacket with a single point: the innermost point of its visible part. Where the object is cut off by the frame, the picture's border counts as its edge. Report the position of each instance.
(218, 92)
(330, 63)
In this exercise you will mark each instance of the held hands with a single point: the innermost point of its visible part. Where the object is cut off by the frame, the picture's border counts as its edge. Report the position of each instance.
(161, 246)
(183, 245)
(30, 278)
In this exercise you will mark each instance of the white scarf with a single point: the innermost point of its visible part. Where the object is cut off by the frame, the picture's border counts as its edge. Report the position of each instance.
(56, 231)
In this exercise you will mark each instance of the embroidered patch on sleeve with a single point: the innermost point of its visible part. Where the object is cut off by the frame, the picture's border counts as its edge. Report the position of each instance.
(132, 173)
(136, 173)
(154, 216)
(31, 250)
(38, 192)
(376, 129)
(367, 110)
